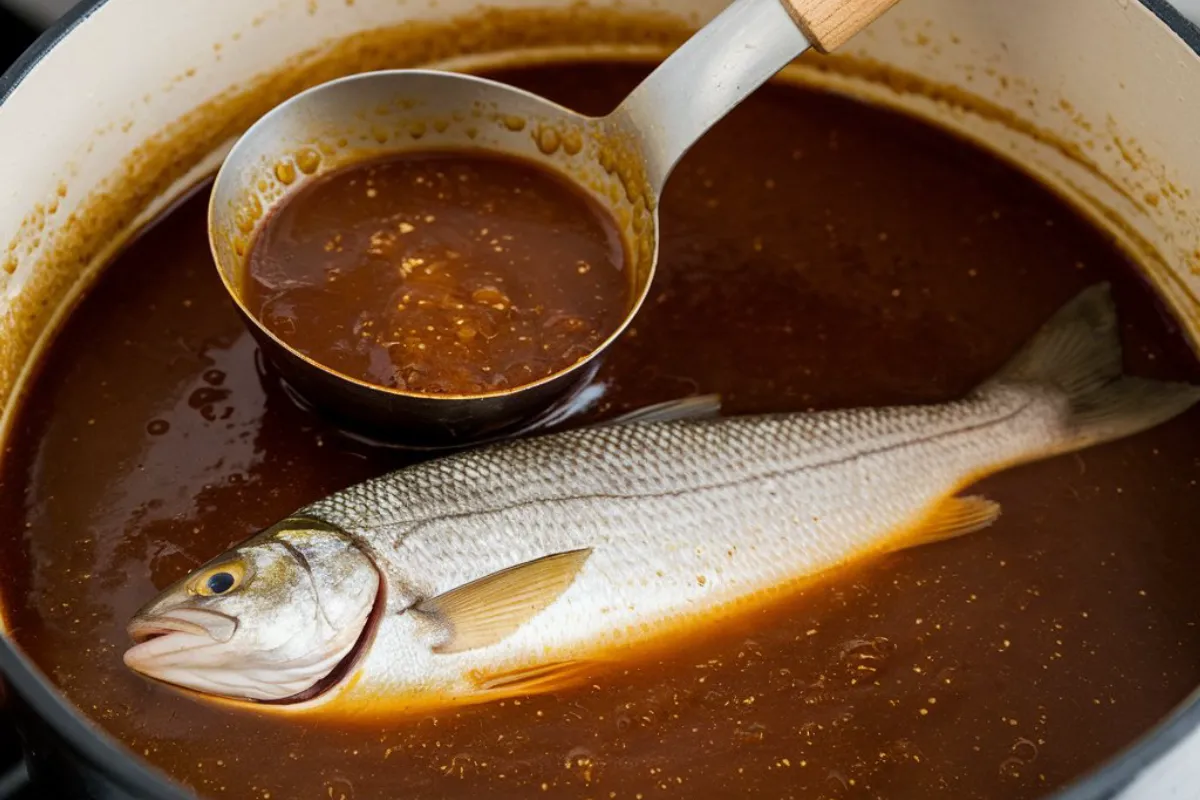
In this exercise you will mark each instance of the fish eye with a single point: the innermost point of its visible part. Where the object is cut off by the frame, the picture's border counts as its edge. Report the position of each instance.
(218, 580)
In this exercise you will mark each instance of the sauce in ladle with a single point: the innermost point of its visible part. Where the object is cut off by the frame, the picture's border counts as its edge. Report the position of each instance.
(440, 273)
(796, 272)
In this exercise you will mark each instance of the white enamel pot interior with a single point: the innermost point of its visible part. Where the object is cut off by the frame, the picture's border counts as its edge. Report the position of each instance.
(134, 100)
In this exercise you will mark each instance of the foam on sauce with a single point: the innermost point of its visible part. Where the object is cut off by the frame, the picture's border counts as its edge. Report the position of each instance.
(798, 270)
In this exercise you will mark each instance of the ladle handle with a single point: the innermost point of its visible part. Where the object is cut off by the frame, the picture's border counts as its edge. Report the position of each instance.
(828, 24)
(726, 60)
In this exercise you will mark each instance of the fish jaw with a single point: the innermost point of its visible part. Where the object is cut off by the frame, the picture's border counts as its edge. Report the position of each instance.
(181, 646)
(172, 659)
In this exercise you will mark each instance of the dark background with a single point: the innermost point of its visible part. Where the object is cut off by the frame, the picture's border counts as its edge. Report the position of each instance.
(15, 36)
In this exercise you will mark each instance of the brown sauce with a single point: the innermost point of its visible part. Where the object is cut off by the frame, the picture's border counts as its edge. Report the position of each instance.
(816, 253)
(440, 273)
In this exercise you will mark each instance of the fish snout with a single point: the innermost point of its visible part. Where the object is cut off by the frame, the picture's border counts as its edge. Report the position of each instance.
(175, 638)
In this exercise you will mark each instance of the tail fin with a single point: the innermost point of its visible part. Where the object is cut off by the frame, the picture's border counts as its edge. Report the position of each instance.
(1078, 351)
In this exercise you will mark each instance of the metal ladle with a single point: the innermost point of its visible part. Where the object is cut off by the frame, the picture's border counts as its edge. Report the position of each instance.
(622, 159)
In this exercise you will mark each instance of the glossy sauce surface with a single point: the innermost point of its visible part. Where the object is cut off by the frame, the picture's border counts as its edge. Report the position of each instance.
(440, 273)
(797, 272)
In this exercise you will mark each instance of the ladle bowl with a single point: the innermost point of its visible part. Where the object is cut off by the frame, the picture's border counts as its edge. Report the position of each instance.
(376, 114)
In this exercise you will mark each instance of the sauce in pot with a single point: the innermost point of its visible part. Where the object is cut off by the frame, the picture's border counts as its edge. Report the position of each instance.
(796, 272)
(440, 273)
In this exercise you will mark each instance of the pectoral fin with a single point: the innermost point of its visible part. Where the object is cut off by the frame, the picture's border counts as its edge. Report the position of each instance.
(485, 611)
(953, 517)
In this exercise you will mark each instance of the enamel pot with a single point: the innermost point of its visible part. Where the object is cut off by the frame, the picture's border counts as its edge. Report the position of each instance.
(125, 104)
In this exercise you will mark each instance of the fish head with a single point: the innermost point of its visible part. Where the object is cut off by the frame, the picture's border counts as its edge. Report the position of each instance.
(274, 619)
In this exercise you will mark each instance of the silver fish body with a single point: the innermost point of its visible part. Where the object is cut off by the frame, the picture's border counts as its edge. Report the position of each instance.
(507, 569)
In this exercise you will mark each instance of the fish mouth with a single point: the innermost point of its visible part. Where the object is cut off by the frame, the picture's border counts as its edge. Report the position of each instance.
(142, 630)
(157, 637)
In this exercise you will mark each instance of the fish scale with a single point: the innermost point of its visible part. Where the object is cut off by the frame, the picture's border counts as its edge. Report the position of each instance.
(635, 461)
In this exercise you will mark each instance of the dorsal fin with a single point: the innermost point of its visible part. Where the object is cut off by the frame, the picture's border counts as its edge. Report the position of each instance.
(487, 610)
(704, 406)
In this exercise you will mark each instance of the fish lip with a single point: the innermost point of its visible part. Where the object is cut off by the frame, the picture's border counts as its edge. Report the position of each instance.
(143, 630)
(200, 623)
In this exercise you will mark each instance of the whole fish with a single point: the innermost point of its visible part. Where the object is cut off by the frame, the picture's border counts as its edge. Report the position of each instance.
(515, 568)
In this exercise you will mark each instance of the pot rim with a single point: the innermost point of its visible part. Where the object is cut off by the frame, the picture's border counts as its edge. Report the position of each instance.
(101, 749)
